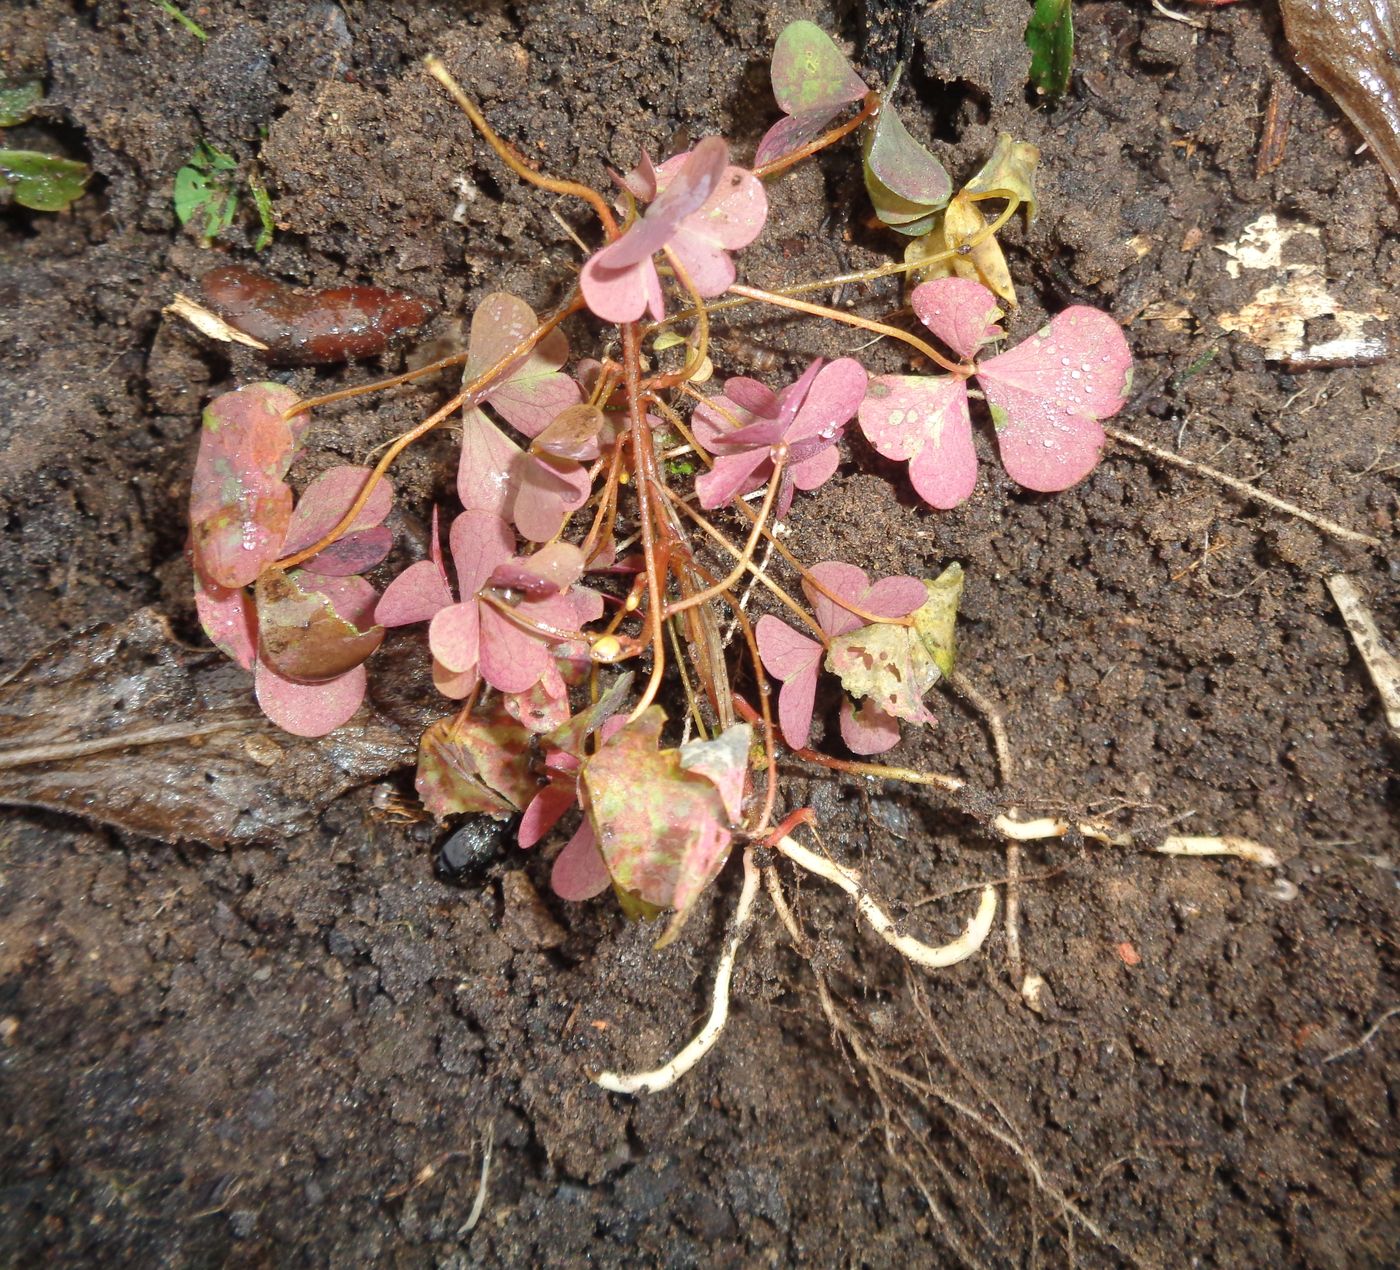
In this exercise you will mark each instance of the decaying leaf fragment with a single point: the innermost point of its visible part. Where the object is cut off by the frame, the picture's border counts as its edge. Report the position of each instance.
(125, 726)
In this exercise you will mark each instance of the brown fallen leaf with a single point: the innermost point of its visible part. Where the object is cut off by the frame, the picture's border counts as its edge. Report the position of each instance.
(124, 725)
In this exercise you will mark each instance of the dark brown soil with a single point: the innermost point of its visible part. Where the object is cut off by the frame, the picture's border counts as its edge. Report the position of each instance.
(292, 1053)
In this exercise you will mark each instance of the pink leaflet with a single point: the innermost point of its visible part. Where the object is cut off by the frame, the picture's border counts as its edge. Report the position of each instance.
(239, 505)
(830, 402)
(792, 132)
(355, 553)
(579, 872)
(489, 471)
(550, 489)
(1048, 393)
(536, 391)
(794, 659)
(327, 499)
(229, 619)
(551, 569)
(455, 686)
(454, 635)
(868, 730)
(480, 543)
(961, 312)
(544, 812)
(896, 596)
(309, 709)
(623, 295)
(414, 596)
(732, 475)
(924, 419)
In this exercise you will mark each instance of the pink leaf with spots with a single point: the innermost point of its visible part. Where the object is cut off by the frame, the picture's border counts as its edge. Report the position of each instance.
(664, 831)
(925, 420)
(795, 660)
(240, 506)
(1049, 392)
(961, 312)
(478, 764)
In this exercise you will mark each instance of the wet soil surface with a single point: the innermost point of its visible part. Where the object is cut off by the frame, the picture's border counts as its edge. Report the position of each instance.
(295, 1051)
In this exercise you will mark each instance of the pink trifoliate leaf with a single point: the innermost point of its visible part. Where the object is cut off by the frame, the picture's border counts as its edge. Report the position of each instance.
(550, 489)
(328, 498)
(535, 392)
(454, 635)
(889, 597)
(478, 764)
(312, 627)
(961, 312)
(415, 595)
(924, 419)
(488, 474)
(732, 217)
(867, 730)
(579, 872)
(812, 81)
(663, 831)
(229, 619)
(725, 763)
(794, 659)
(239, 505)
(1049, 392)
(309, 709)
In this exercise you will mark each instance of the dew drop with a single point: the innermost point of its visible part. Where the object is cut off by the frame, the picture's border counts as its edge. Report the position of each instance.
(1064, 361)
(1074, 374)
(1049, 443)
(1069, 410)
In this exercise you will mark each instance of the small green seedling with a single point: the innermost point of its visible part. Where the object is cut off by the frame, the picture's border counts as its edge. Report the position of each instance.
(205, 191)
(1050, 38)
(38, 181)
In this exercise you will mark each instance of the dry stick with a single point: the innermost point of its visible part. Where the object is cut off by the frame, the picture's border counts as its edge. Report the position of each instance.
(378, 385)
(915, 950)
(57, 751)
(1248, 490)
(1382, 665)
(704, 1040)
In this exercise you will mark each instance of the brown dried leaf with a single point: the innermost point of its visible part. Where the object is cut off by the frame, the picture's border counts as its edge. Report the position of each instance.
(124, 726)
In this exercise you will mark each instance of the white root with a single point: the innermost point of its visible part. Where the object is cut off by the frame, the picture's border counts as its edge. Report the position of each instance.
(703, 1041)
(1242, 848)
(934, 958)
(1383, 666)
(209, 323)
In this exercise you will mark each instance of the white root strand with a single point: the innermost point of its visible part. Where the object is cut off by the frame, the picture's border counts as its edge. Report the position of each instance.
(1242, 848)
(1383, 666)
(704, 1040)
(934, 958)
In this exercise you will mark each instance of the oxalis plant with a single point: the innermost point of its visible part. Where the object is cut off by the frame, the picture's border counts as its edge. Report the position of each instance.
(577, 588)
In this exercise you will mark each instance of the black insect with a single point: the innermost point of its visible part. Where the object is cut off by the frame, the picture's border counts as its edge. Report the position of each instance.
(466, 855)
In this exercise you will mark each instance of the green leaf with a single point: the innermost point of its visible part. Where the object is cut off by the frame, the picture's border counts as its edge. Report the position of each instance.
(935, 621)
(263, 202)
(906, 184)
(17, 104)
(1009, 173)
(41, 182)
(1050, 38)
(204, 191)
(810, 72)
